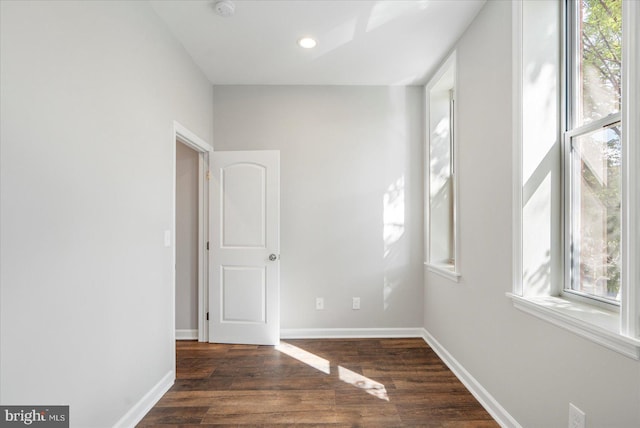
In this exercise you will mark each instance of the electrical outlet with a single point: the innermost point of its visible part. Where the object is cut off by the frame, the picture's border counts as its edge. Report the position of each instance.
(319, 303)
(356, 303)
(577, 418)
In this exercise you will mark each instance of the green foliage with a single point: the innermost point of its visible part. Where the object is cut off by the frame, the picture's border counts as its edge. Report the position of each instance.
(601, 54)
(601, 39)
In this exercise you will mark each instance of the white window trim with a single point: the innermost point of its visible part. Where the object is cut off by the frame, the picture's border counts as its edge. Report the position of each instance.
(586, 320)
(448, 271)
(445, 271)
(617, 331)
(630, 312)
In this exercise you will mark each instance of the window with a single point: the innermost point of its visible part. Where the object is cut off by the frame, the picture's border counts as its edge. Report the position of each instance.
(440, 167)
(593, 149)
(576, 167)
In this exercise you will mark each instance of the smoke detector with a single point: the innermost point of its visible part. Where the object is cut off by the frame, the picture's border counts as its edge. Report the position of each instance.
(224, 8)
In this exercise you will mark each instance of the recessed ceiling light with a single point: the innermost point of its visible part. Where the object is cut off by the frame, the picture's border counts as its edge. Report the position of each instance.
(307, 43)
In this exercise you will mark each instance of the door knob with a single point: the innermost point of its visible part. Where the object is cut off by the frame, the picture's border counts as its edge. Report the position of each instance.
(273, 257)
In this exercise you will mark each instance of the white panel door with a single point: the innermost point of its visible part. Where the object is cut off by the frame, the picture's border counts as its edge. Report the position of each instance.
(244, 302)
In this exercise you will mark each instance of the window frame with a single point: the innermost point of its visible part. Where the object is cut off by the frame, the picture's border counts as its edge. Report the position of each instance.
(616, 330)
(569, 81)
(568, 199)
(448, 271)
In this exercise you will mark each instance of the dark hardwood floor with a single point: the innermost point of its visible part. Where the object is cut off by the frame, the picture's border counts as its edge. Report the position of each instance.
(337, 382)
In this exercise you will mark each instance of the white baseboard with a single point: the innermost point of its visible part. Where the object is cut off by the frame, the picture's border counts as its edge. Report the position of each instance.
(349, 333)
(187, 334)
(142, 407)
(482, 395)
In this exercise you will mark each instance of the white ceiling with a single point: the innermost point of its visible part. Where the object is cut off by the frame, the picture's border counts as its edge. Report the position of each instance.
(359, 42)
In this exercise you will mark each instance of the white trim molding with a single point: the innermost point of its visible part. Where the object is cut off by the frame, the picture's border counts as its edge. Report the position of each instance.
(586, 320)
(349, 333)
(189, 138)
(517, 146)
(205, 151)
(146, 403)
(187, 334)
(444, 271)
(630, 312)
(483, 396)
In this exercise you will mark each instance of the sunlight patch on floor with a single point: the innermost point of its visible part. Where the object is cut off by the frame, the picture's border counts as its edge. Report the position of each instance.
(362, 382)
(369, 386)
(303, 356)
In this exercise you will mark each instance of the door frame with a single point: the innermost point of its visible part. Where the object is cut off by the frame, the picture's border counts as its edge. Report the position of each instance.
(183, 135)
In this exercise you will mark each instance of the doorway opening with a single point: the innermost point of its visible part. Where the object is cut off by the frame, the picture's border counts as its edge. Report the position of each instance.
(191, 207)
(186, 242)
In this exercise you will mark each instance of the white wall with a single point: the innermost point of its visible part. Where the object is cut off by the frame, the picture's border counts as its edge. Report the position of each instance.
(351, 186)
(541, 214)
(533, 369)
(90, 91)
(187, 161)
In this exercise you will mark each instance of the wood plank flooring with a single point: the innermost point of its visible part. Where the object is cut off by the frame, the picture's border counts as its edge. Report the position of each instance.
(337, 382)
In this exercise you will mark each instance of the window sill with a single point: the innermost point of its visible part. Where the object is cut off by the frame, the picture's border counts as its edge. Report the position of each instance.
(596, 324)
(445, 271)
